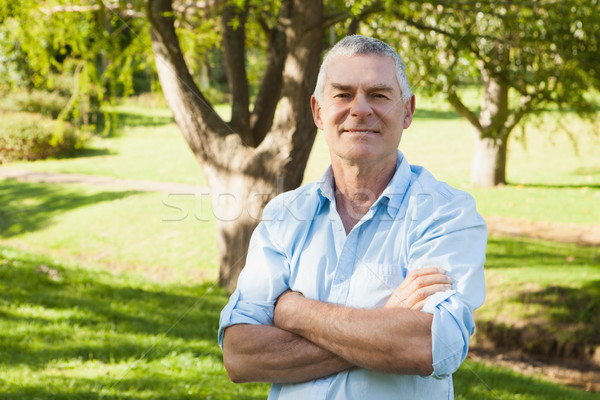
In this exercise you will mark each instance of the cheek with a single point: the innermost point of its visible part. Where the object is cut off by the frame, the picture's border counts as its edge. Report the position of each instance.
(329, 137)
(332, 114)
(390, 111)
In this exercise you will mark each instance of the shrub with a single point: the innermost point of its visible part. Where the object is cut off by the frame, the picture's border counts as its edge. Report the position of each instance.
(49, 104)
(85, 112)
(27, 136)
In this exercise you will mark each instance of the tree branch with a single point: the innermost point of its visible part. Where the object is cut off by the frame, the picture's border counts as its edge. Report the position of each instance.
(272, 81)
(292, 133)
(525, 105)
(333, 19)
(198, 121)
(353, 28)
(460, 108)
(234, 48)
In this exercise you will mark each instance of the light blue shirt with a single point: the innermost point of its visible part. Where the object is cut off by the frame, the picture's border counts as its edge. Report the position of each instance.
(417, 222)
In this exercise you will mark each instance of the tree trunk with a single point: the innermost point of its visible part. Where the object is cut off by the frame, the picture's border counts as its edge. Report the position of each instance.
(237, 210)
(237, 203)
(491, 134)
(489, 161)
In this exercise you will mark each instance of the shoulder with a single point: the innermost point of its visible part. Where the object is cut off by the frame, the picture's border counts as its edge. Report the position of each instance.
(424, 184)
(288, 216)
(298, 204)
(431, 201)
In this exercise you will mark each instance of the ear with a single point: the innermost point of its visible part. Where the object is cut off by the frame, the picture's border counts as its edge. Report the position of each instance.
(409, 110)
(316, 112)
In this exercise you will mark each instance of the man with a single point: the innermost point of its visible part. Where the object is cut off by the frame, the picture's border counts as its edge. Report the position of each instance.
(361, 285)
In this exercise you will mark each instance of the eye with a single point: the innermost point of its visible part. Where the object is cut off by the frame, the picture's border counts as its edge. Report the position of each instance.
(379, 96)
(341, 95)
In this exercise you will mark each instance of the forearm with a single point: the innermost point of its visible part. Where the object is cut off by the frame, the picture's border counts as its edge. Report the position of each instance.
(394, 340)
(260, 353)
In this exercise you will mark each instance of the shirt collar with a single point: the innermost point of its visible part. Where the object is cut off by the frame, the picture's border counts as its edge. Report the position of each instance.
(325, 185)
(392, 195)
(394, 192)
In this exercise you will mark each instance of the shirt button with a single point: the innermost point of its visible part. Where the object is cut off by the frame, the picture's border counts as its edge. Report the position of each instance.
(341, 277)
(339, 227)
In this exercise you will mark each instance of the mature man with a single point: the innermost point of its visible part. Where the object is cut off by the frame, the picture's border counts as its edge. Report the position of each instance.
(363, 284)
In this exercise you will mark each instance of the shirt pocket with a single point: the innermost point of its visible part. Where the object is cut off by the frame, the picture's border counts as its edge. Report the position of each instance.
(372, 284)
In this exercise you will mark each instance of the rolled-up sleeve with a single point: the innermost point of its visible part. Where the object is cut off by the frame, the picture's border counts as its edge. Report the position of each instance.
(454, 238)
(264, 278)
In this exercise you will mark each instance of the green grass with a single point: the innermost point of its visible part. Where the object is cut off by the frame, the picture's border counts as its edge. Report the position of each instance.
(167, 236)
(74, 333)
(547, 294)
(476, 381)
(70, 332)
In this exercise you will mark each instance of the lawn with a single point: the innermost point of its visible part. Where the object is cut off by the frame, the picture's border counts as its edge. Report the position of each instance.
(71, 332)
(110, 293)
(167, 236)
(542, 297)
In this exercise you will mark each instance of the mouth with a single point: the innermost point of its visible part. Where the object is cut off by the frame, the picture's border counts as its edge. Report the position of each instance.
(361, 131)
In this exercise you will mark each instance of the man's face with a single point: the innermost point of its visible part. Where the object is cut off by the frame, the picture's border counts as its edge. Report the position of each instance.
(362, 113)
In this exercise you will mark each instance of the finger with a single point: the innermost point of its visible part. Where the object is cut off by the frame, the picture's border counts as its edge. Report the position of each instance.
(421, 273)
(424, 293)
(417, 283)
(419, 289)
(428, 280)
(419, 306)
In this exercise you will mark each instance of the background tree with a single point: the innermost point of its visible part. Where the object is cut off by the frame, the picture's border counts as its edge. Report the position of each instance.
(263, 149)
(526, 55)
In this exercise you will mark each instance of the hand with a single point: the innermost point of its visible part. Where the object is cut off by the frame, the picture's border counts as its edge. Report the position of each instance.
(285, 307)
(418, 286)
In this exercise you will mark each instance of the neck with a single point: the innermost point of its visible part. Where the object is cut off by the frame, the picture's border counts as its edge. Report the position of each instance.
(358, 186)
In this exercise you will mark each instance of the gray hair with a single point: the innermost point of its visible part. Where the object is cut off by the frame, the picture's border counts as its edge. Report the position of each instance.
(357, 44)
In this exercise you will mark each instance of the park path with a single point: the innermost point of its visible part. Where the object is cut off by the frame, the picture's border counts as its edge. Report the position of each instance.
(588, 235)
(98, 180)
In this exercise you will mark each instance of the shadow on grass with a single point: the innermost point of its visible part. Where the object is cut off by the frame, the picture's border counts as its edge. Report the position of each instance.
(574, 311)
(90, 152)
(162, 388)
(103, 336)
(128, 119)
(118, 119)
(100, 308)
(503, 252)
(481, 382)
(26, 207)
(551, 321)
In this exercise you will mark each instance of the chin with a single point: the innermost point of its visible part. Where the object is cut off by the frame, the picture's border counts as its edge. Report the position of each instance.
(361, 155)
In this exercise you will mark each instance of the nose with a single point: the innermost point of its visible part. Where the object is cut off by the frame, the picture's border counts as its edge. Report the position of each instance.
(360, 106)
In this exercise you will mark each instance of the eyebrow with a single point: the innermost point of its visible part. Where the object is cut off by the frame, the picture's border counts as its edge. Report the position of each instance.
(377, 87)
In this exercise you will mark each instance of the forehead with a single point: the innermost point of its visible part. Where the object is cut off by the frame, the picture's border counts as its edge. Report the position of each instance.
(361, 70)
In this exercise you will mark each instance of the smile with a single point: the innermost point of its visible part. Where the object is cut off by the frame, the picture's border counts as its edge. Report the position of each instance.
(360, 131)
